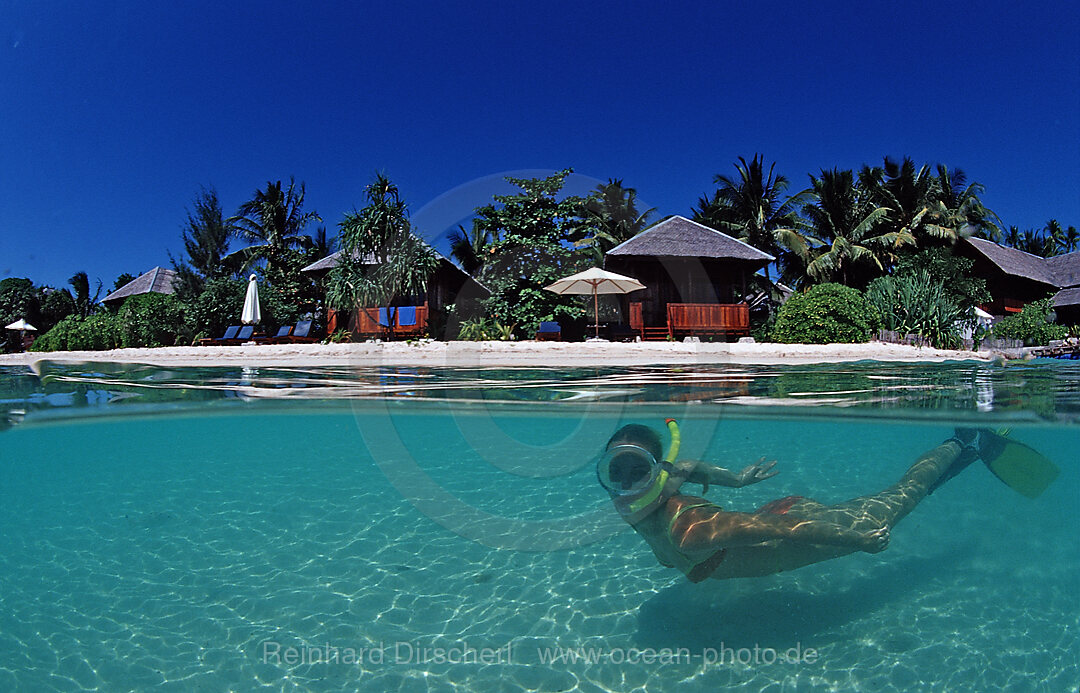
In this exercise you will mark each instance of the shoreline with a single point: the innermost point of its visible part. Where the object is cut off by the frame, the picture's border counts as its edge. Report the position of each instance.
(506, 354)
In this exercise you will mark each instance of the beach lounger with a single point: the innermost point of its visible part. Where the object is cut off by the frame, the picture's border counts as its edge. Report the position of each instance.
(283, 331)
(300, 333)
(243, 335)
(230, 333)
(549, 331)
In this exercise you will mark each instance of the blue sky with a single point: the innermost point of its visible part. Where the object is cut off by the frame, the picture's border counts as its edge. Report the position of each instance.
(112, 115)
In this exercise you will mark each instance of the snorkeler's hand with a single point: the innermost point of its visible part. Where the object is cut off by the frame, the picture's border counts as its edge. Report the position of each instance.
(876, 541)
(757, 472)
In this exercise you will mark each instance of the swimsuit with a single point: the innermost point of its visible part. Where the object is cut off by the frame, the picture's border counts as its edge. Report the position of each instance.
(703, 569)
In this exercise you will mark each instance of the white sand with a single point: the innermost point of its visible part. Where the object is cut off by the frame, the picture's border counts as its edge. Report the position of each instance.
(504, 354)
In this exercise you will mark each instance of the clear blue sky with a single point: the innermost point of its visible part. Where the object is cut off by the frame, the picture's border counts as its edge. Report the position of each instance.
(112, 115)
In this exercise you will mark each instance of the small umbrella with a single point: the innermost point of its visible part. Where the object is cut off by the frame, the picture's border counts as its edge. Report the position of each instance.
(595, 281)
(251, 314)
(22, 326)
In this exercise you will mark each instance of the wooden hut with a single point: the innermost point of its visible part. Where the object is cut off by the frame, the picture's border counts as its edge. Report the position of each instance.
(1015, 278)
(158, 280)
(447, 285)
(696, 280)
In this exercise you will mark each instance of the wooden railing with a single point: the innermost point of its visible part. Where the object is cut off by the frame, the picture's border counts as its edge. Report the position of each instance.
(697, 319)
(367, 322)
(708, 319)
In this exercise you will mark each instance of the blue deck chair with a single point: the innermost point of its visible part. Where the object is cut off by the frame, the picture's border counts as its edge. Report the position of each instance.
(283, 331)
(549, 330)
(230, 333)
(301, 333)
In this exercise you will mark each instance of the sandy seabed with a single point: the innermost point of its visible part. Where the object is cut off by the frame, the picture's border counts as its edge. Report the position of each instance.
(504, 354)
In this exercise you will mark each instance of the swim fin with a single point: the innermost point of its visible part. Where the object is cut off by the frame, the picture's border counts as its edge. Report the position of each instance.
(1020, 467)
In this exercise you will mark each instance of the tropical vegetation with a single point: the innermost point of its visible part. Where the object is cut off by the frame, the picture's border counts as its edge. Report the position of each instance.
(884, 232)
(826, 314)
(381, 258)
(1032, 325)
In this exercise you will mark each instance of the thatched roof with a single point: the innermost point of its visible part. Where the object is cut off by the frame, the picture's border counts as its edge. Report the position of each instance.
(158, 280)
(321, 267)
(681, 237)
(1014, 262)
(326, 264)
(1065, 269)
(1067, 297)
(1059, 271)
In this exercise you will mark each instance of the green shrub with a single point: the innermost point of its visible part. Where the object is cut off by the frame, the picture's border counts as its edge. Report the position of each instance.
(218, 306)
(151, 320)
(1031, 325)
(98, 332)
(916, 303)
(826, 314)
(59, 336)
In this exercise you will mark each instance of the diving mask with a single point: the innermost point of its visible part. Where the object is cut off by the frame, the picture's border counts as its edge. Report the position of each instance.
(627, 469)
(632, 475)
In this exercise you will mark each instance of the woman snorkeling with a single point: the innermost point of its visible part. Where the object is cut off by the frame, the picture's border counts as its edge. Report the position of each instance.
(705, 541)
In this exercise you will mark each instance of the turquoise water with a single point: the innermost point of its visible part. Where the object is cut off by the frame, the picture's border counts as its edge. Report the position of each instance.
(338, 529)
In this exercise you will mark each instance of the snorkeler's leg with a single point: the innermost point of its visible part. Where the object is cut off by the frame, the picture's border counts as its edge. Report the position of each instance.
(894, 503)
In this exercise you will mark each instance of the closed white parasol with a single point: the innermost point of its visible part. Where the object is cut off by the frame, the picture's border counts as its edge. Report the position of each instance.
(251, 314)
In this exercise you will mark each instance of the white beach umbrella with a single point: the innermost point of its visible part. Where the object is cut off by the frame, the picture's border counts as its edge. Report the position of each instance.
(22, 326)
(251, 314)
(595, 281)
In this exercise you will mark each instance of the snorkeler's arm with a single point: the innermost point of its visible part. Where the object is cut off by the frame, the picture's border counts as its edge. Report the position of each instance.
(709, 526)
(706, 474)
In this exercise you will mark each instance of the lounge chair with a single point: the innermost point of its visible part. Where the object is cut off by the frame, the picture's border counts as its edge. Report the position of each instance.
(242, 336)
(300, 333)
(549, 331)
(230, 334)
(283, 331)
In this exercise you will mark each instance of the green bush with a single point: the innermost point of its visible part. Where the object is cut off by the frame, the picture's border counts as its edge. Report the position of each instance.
(98, 332)
(826, 314)
(217, 307)
(152, 320)
(917, 303)
(1031, 325)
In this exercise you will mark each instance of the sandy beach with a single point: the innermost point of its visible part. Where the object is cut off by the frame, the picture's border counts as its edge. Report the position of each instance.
(504, 354)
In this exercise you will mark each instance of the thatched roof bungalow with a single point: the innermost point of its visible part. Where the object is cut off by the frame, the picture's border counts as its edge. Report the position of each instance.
(447, 285)
(158, 280)
(682, 261)
(1016, 278)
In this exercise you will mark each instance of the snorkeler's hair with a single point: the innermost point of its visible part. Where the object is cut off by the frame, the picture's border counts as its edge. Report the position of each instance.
(642, 436)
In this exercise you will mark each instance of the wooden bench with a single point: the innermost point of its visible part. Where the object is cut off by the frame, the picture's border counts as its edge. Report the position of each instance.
(708, 319)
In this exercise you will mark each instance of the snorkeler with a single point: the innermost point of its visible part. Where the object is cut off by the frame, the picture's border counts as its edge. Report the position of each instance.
(705, 541)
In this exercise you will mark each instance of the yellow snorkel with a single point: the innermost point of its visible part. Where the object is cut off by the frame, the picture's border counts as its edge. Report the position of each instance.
(676, 440)
(645, 503)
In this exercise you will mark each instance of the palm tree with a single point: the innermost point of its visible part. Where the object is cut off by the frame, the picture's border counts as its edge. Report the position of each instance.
(1067, 239)
(959, 207)
(1012, 237)
(382, 259)
(910, 194)
(471, 248)
(752, 208)
(611, 214)
(845, 219)
(85, 304)
(321, 246)
(272, 223)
